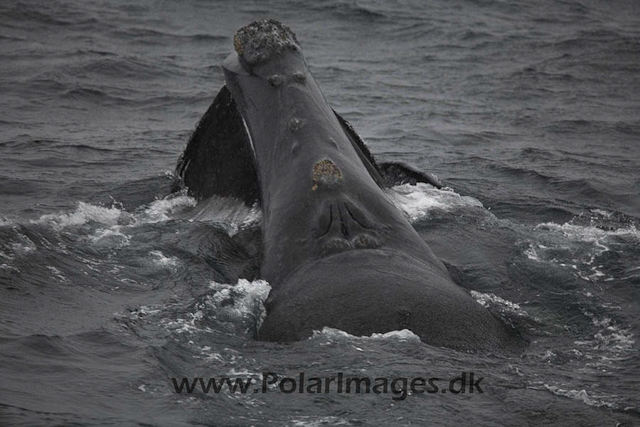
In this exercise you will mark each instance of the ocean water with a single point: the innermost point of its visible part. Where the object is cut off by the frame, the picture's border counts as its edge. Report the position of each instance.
(110, 285)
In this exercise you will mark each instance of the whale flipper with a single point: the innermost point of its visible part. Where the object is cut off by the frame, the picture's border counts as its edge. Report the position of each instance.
(398, 173)
(363, 151)
(218, 159)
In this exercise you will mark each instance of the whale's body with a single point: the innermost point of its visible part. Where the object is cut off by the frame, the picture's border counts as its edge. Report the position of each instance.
(337, 251)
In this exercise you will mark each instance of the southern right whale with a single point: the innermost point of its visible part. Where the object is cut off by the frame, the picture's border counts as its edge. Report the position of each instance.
(337, 252)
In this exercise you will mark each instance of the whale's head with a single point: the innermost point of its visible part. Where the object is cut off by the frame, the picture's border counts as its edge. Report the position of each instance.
(267, 55)
(262, 40)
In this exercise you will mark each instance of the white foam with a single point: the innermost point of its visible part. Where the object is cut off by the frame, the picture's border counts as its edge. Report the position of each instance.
(532, 252)
(186, 325)
(611, 341)
(84, 213)
(589, 233)
(112, 236)
(402, 335)
(159, 210)
(602, 212)
(231, 213)
(244, 373)
(240, 305)
(19, 247)
(578, 247)
(144, 311)
(248, 299)
(212, 357)
(489, 299)
(612, 337)
(24, 246)
(333, 333)
(57, 273)
(580, 395)
(418, 200)
(161, 260)
(314, 421)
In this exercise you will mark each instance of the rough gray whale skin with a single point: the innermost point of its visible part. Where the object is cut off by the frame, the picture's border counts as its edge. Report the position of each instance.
(337, 251)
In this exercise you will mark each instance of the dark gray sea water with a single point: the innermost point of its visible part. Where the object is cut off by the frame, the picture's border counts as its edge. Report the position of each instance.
(110, 285)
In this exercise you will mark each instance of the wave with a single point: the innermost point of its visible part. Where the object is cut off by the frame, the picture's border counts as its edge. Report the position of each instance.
(593, 247)
(83, 214)
(231, 308)
(93, 96)
(12, 38)
(23, 15)
(122, 67)
(419, 200)
(153, 36)
(583, 396)
(354, 9)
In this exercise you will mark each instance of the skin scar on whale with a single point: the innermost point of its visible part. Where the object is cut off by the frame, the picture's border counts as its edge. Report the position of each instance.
(325, 172)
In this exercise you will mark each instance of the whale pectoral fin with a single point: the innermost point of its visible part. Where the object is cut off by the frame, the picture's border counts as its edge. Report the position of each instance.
(398, 173)
(363, 151)
(218, 159)
(386, 174)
